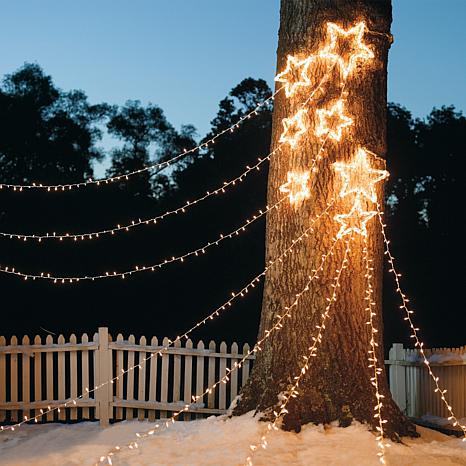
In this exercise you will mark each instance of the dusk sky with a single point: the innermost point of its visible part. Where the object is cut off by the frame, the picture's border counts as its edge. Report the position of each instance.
(186, 55)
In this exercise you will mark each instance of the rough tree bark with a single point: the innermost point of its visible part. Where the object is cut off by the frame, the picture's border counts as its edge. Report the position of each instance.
(337, 386)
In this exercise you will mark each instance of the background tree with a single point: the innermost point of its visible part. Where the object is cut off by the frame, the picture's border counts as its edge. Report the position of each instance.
(426, 160)
(337, 385)
(140, 128)
(46, 135)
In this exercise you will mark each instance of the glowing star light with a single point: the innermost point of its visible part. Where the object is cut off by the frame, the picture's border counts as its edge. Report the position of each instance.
(359, 177)
(294, 67)
(297, 186)
(293, 128)
(332, 121)
(346, 46)
(355, 220)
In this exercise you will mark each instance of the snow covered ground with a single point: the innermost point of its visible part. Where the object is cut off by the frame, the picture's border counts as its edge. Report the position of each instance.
(220, 442)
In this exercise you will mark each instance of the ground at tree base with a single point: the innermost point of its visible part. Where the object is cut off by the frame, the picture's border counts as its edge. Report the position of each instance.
(221, 442)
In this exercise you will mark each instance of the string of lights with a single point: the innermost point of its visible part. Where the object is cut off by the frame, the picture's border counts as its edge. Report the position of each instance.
(278, 325)
(154, 166)
(372, 354)
(144, 268)
(414, 330)
(316, 340)
(138, 222)
(298, 182)
(184, 336)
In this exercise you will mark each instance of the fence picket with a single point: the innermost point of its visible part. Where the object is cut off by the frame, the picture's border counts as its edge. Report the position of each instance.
(73, 377)
(61, 378)
(119, 373)
(200, 374)
(142, 378)
(96, 376)
(26, 376)
(222, 396)
(234, 374)
(2, 379)
(130, 379)
(37, 374)
(176, 373)
(85, 375)
(188, 378)
(211, 376)
(14, 378)
(153, 379)
(49, 375)
(164, 387)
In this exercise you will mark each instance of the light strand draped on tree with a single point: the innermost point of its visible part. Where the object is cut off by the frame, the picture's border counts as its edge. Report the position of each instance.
(333, 54)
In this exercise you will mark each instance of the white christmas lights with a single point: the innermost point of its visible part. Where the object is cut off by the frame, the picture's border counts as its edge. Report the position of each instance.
(293, 392)
(359, 177)
(372, 355)
(147, 221)
(184, 336)
(144, 268)
(355, 220)
(332, 121)
(278, 325)
(295, 65)
(353, 49)
(154, 166)
(293, 128)
(297, 186)
(404, 306)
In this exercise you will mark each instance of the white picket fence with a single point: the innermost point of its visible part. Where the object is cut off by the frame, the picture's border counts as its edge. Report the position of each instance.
(41, 375)
(412, 388)
(46, 374)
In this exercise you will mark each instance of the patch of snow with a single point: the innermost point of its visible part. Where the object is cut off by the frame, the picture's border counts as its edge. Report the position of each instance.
(220, 441)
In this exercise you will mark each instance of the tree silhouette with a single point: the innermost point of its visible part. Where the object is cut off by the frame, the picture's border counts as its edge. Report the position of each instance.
(46, 135)
(143, 129)
(426, 160)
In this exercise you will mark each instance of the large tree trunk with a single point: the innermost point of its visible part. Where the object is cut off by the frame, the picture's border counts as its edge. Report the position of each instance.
(337, 385)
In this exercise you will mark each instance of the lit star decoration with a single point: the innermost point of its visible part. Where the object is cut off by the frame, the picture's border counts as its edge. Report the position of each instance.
(297, 186)
(295, 66)
(346, 46)
(332, 121)
(355, 220)
(293, 128)
(359, 177)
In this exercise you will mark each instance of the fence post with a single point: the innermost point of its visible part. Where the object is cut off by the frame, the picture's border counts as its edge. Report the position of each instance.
(104, 373)
(398, 375)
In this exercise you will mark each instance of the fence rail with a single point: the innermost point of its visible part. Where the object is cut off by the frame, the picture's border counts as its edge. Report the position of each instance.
(41, 375)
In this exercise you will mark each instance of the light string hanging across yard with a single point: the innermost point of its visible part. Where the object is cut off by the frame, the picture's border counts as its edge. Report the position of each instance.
(372, 354)
(135, 223)
(316, 340)
(414, 330)
(123, 275)
(154, 166)
(184, 336)
(284, 314)
(144, 268)
(138, 222)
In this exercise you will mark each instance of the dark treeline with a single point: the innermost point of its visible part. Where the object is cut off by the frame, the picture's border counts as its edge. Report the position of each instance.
(51, 136)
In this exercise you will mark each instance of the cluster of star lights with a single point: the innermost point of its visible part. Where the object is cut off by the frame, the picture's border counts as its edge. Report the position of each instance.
(344, 50)
(357, 179)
